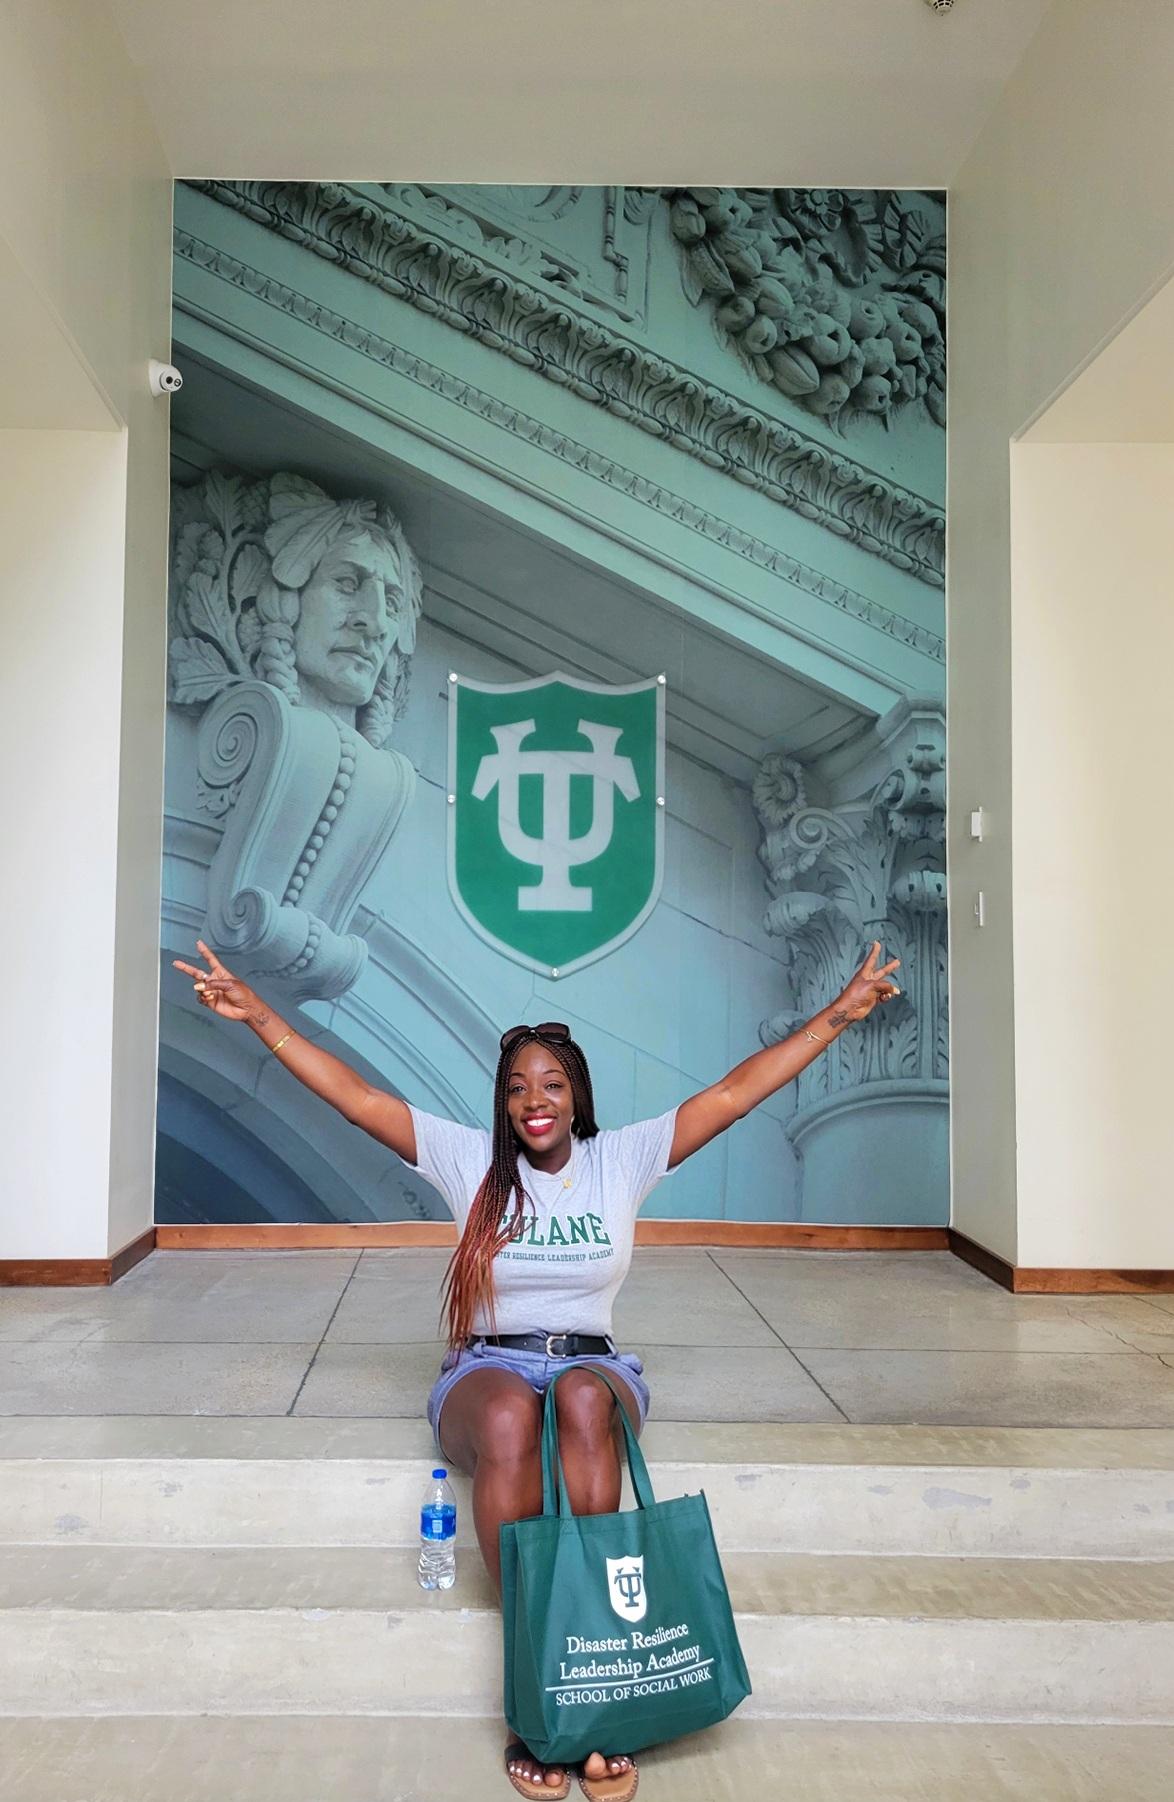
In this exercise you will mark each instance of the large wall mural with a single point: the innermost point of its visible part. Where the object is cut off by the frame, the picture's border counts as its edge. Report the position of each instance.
(496, 435)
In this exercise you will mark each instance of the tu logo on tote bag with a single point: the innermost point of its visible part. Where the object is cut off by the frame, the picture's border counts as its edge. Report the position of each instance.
(556, 814)
(625, 1586)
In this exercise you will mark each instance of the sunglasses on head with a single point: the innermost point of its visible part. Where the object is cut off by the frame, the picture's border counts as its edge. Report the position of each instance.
(554, 1030)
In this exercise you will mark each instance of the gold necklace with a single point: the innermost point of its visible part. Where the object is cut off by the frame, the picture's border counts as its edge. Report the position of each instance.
(567, 1181)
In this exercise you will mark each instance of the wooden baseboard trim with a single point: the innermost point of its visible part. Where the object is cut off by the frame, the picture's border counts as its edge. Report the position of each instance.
(311, 1236)
(132, 1254)
(53, 1273)
(749, 1234)
(75, 1273)
(988, 1262)
(790, 1235)
(1023, 1279)
(1069, 1281)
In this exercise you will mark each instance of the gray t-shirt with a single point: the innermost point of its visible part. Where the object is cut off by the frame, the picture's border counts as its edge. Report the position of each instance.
(564, 1271)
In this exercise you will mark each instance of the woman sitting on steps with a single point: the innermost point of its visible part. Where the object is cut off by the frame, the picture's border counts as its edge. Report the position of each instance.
(545, 1206)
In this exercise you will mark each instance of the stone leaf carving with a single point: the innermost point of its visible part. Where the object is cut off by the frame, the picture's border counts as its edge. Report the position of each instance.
(293, 620)
(841, 876)
(834, 296)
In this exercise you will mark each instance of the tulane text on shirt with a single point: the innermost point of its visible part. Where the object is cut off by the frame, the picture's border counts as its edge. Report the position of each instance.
(565, 1229)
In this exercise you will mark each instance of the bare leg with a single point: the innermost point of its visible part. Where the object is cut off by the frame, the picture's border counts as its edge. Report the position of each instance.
(491, 1428)
(590, 1437)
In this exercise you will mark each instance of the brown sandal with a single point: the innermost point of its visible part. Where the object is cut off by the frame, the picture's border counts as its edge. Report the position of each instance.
(535, 1792)
(618, 1788)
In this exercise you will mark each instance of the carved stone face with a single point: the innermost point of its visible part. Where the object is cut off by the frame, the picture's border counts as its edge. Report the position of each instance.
(348, 624)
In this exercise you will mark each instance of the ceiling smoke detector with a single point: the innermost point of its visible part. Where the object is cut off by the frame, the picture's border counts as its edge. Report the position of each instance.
(940, 6)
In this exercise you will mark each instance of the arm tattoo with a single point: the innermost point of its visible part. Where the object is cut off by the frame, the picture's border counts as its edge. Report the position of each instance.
(841, 1017)
(261, 1017)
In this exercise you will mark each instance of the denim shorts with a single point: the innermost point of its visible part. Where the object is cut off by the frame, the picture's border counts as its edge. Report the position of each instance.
(535, 1367)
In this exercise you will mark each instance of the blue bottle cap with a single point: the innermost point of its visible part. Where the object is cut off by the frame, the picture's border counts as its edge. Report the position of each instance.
(440, 1473)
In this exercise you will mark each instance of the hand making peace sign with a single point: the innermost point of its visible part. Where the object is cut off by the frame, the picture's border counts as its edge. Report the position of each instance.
(217, 987)
(867, 987)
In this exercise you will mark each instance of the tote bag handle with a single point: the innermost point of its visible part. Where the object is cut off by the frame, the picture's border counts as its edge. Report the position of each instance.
(552, 1465)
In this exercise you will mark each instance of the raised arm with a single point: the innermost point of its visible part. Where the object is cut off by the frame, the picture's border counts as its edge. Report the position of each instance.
(704, 1116)
(384, 1116)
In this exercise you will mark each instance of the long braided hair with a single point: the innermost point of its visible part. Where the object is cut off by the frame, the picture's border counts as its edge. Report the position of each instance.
(468, 1286)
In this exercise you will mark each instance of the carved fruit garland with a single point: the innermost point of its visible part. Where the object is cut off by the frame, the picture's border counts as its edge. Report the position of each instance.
(836, 297)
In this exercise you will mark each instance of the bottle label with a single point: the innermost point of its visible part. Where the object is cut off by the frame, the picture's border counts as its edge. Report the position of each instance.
(438, 1523)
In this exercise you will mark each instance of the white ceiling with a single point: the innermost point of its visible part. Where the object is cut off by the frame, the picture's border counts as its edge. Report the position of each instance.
(869, 93)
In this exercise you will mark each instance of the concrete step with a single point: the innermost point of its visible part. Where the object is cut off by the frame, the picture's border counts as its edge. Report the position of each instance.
(1009, 1493)
(413, 1759)
(330, 1631)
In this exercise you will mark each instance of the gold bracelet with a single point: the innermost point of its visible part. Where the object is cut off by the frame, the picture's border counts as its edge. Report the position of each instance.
(815, 1037)
(281, 1042)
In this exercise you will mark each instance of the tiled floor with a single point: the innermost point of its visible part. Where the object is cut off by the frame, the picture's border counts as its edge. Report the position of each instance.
(864, 1337)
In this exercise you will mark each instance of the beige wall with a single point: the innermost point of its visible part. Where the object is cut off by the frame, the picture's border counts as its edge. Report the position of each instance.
(1092, 639)
(85, 275)
(62, 507)
(1062, 223)
(86, 200)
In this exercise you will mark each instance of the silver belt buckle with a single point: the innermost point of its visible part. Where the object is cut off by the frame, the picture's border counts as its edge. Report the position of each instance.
(550, 1339)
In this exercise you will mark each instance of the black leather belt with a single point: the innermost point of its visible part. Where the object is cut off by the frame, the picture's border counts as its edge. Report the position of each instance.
(551, 1345)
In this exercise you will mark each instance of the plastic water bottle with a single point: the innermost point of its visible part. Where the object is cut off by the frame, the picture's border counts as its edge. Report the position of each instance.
(438, 1534)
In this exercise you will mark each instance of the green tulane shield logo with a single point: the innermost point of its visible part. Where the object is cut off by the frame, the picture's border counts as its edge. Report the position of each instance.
(556, 814)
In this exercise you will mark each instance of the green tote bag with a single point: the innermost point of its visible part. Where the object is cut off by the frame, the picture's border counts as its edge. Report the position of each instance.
(618, 1628)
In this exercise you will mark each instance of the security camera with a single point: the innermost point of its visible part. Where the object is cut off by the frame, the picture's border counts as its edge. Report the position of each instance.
(164, 378)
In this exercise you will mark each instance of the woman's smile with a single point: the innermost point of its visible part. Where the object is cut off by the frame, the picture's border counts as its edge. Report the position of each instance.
(538, 1096)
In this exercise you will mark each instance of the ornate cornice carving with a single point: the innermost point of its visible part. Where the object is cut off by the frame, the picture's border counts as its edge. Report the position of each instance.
(452, 282)
(524, 227)
(835, 296)
(629, 482)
